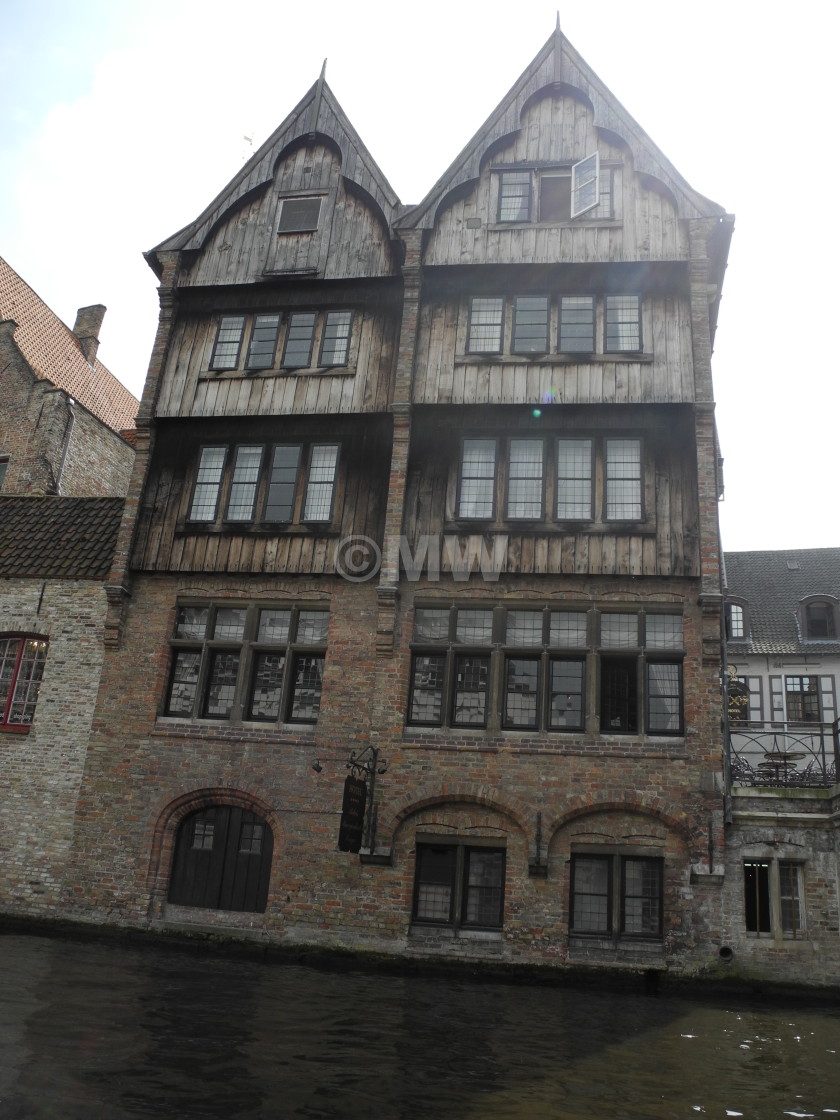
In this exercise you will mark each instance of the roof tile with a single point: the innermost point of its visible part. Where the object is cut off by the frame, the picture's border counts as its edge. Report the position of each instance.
(58, 538)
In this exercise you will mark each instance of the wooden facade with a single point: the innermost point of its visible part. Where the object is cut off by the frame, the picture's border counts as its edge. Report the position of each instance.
(516, 368)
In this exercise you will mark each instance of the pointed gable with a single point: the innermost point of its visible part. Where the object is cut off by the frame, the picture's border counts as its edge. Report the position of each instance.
(559, 71)
(320, 171)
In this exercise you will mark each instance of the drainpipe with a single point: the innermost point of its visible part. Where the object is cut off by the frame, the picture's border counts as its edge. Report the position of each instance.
(71, 423)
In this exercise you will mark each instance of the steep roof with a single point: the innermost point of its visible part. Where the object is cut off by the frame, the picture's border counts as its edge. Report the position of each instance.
(58, 538)
(558, 67)
(55, 354)
(773, 584)
(317, 116)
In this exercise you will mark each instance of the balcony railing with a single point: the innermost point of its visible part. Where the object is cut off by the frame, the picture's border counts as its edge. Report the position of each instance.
(794, 755)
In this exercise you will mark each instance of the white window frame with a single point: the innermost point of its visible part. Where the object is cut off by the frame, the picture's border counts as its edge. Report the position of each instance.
(586, 180)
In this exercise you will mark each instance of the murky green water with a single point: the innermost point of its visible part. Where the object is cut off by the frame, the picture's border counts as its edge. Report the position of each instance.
(90, 1030)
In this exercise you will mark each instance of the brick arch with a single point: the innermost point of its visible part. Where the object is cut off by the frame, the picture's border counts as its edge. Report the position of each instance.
(629, 801)
(171, 815)
(488, 797)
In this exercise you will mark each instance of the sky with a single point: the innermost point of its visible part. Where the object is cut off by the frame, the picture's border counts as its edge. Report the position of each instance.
(122, 120)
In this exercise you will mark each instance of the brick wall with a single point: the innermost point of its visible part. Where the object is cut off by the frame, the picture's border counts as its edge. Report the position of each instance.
(51, 444)
(145, 773)
(41, 769)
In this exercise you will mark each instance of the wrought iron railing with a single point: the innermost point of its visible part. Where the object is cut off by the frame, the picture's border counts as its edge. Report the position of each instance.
(784, 754)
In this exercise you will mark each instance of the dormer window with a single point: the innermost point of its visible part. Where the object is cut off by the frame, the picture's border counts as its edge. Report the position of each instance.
(558, 194)
(736, 628)
(820, 620)
(299, 215)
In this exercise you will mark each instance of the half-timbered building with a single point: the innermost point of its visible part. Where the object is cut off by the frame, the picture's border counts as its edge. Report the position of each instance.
(430, 491)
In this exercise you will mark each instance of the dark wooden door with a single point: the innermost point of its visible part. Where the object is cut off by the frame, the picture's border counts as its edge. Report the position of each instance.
(222, 860)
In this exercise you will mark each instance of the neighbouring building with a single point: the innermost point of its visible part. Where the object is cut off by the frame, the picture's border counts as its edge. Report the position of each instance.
(55, 556)
(431, 490)
(65, 420)
(783, 663)
(66, 456)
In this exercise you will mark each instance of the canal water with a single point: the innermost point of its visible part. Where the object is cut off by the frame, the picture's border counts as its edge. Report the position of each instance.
(104, 1030)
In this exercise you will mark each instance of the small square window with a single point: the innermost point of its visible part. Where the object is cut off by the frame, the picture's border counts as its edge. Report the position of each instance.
(299, 215)
(663, 631)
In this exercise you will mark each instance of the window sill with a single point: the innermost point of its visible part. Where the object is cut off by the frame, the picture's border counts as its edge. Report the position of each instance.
(602, 528)
(14, 729)
(448, 933)
(566, 223)
(184, 727)
(232, 529)
(563, 357)
(261, 374)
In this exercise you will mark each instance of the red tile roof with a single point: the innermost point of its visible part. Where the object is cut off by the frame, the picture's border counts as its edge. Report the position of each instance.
(58, 538)
(54, 353)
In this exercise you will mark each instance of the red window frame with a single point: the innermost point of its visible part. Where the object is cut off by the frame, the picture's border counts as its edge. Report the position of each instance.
(19, 691)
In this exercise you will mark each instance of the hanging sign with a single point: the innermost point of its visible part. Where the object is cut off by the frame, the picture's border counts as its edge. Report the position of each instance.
(352, 814)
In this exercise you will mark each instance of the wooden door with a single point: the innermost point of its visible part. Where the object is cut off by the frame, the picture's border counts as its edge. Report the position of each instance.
(222, 860)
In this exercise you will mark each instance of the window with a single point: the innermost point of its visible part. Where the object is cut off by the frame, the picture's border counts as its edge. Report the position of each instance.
(247, 662)
(530, 325)
(616, 896)
(577, 325)
(565, 193)
(478, 479)
(534, 322)
(802, 699)
(574, 480)
(820, 620)
(266, 483)
(623, 480)
(299, 338)
(628, 678)
(299, 215)
(526, 669)
(4, 463)
(263, 344)
(485, 328)
(530, 478)
(745, 700)
(773, 898)
(622, 324)
(515, 196)
(459, 885)
(228, 342)
(525, 480)
(735, 622)
(303, 333)
(22, 659)
(335, 341)
(222, 860)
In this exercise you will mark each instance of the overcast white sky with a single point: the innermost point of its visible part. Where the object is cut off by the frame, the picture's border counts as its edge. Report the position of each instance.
(122, 119)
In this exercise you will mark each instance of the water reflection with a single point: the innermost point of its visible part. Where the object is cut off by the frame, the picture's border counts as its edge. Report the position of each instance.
(103, 1030)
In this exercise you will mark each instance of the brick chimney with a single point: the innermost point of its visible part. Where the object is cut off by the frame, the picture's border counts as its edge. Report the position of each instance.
(88, 323)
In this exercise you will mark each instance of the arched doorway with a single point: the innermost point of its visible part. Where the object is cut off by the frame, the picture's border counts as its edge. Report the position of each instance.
(222, 860)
